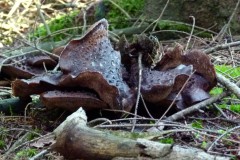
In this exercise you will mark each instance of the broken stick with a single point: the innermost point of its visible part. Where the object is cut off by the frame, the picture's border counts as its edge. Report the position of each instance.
(75, 140)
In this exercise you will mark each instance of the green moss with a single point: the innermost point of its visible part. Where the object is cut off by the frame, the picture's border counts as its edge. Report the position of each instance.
(167, 140)
(216, 91)
(197, 124)
(31, 136)
(235, 108)
(25, 153)
(233, 72)
(2, 144)
(232, 107)
(204, 145)
(58, 23)
(117, 18)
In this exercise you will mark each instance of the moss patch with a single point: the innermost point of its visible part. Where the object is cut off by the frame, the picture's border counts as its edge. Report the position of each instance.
(227, 103)
(57, 23)
(117, 18)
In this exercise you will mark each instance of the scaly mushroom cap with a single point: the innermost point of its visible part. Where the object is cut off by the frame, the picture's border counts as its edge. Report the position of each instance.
(48, 86)
(71, 100)
(28, 65)
(91, 62)
(36, 85)
(202, 65)
(157, 85)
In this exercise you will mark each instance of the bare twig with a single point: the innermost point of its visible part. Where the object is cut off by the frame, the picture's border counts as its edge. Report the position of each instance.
(196, 107)
(40, 154)
(139, 88)
(176, 97)
(189, 39)
(220, 110)
(157, 20)
(232, 129)
(160, 17)
(84, 28)
(182, 32)
(43, 18)
(33, 140)
(145, 106)
(14, 8)
(103, 120)
(120, 8)
(44, 22)
(19, 141)
(221, 47)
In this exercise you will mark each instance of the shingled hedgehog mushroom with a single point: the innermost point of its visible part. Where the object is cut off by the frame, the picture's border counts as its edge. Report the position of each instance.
(157, 85)
(27, 65)
(170, 73)
(200, 83)
(94, 75)
(91, 62)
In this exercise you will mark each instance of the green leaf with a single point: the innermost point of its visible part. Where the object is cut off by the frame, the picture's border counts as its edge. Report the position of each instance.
(26, 153)
(216, 91)
(167, 140)
(197, 124)
(204, 145)
(226, 69)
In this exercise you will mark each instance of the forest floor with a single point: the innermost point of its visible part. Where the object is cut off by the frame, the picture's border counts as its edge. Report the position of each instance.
(215, 128)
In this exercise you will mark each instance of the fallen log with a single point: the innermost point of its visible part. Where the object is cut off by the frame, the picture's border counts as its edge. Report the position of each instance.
(75, 140)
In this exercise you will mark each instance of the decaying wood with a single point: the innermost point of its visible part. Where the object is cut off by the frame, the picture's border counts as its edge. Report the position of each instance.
(75, 140)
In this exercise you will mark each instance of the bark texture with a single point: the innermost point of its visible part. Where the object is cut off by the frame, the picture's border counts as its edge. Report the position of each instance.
(75, 140)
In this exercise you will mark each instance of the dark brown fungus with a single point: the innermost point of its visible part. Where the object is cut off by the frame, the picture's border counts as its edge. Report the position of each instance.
(39, 60)
(91, 62)
(200, 61)
(27, 66)
(171, 58)
(58, 50)
(202, 65)
(36, 85)
(157, 85)
(71, 100)
(47, 83)
(196, 90)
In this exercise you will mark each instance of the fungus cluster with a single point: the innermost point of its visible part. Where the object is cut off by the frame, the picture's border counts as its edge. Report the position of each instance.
(94, 75)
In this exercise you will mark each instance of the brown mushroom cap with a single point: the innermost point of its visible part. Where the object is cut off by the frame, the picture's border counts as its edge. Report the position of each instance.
(200, 61)
(28, 65)
(91, 62)
(36, 85)
(157, 85)
(202, 65)
(71, 100)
